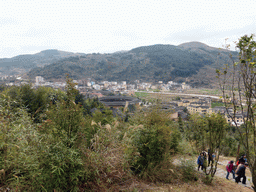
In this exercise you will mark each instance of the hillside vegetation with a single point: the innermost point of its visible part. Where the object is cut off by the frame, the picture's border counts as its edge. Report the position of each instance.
(52, 141)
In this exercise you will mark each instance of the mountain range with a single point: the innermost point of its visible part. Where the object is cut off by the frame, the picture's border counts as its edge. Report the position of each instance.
(192, 62)
(24, 63)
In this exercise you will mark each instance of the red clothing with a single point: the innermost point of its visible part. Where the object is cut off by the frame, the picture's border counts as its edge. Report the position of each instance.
(229, 166)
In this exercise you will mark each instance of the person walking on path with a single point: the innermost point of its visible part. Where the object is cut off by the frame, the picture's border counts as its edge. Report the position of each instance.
(229, 169)
(200, 161)
(241, 160)
(241, 173)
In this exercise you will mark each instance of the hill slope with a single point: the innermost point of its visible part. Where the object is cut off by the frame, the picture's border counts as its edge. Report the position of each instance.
(23, 63)
(187, 62)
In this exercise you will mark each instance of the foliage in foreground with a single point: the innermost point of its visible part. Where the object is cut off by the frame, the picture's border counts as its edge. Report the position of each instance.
(60, 145)
(68, 149)
(154, 137)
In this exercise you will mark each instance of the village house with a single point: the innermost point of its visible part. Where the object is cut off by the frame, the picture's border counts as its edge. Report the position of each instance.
(198, 109)
(238, 119)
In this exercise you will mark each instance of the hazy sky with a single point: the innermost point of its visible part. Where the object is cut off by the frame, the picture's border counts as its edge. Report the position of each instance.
(92, 26)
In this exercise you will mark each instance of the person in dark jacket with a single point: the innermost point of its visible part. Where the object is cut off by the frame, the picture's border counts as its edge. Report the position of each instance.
(200, 161)
(242, 159)
(241, 173)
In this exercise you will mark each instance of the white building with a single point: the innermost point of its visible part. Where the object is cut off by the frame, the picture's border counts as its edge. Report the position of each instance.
(96, 86)
(185, 86)
(39, 80)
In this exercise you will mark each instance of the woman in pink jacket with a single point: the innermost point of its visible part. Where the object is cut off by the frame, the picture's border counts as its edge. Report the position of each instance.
(229, 168)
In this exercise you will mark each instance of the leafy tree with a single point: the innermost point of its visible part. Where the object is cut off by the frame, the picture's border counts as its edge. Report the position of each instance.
(195, 132)
(237, 84)
(207, 133)
(215, 135)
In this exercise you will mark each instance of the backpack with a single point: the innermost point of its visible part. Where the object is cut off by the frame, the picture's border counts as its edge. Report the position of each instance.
(238, 171)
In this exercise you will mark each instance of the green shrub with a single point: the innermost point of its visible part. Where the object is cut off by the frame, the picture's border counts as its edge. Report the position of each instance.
(207, 179)
(175, 140)
(18, 147)
(61, 167)
(151, 144)
(152, 138)
(105, 116)
(186, 147)
(230, 145)
(188, 170)
(161, 172)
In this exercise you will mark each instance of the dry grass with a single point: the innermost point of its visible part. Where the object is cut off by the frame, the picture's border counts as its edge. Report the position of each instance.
(203, 91)
(218, 185)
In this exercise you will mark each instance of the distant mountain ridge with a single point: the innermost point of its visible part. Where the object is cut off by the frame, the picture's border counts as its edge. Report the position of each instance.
(195, 44)
(185, 62)
(24, 63)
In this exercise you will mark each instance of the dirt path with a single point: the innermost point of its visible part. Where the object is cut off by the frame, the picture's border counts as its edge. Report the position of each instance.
(222, 173)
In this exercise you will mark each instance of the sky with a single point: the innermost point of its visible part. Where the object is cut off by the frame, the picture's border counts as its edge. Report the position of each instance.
(107, 26)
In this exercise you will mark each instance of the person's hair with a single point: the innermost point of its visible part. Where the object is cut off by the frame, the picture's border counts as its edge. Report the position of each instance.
(246, 164)
(232, 162)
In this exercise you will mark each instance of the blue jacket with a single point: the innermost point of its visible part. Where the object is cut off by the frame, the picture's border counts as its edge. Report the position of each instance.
(200, 160)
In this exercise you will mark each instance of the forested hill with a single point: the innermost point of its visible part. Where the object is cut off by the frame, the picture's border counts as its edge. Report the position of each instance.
(23, 63)
(147, 63)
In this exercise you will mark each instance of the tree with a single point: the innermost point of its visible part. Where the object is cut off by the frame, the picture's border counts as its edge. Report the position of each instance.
(195, 132)
(215, 134)
(207, 132)
(238, 85)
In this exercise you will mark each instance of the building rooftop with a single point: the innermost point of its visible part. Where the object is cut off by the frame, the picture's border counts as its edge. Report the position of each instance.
(118, 100)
